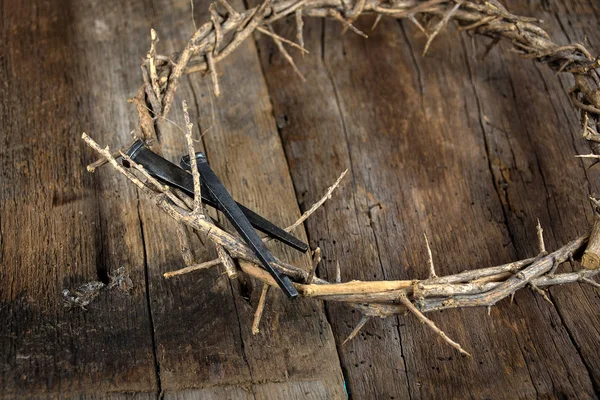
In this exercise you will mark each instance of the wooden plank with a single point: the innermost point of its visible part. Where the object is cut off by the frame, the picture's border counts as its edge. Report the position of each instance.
(214, 393)
(312, 133)
(419, 165)
(202, 332)
(58, 223)
(111, 396)
(548, 127)
(309, 390)
(272, 390)
(202, 321)
(197, 332)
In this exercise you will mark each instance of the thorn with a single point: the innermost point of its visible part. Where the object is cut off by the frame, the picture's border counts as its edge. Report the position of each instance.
(412, 308)
(318, 204)
(432, 274)
(270, 32)
(540, 236)
(590, 282)
(338, 273)
(555, 266)
(285, 53)
(591, 155)
(316, 259)
(443, 22)
(204, 265)
(540, 292)
(379, 16)
(335, 14)
(259, 309)
(489, 310)
(300, 28)
(417, 24)
(357, 329)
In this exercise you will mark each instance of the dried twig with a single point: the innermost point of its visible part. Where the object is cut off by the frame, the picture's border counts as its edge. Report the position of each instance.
(483, 287)
(315, 262)
(318, 204)
(193, 164)
(227, 262)
(102, 161)
(184, 245)
(410, 306)
(488, 19)
(197, 267)
(259, 309)
(210, 61)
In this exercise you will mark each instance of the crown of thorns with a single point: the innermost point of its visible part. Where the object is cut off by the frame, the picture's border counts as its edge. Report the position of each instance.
(228, 28)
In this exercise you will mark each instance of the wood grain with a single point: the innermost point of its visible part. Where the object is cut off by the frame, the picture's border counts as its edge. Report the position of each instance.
(566, 182)
(60, 226)
(409, 129)
(244, 149)
(446, 145)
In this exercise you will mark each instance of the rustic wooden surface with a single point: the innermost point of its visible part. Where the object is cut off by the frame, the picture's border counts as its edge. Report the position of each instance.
(470, 152)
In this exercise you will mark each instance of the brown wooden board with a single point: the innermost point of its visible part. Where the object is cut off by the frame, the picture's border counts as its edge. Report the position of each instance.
(566, 182)
(470, 152)
(61, 226)
(203, 321)
(410, 130)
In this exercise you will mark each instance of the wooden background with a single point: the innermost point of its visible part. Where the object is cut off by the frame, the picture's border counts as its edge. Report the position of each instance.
(469, 151)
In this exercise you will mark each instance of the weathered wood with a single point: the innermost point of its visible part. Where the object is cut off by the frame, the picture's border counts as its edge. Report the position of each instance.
(443, 145)
(276, 390)
(60, 226)
(555, 138)
(591, 256)
(197, 332)
(106, 396)
(214, 393)
(400, 124)
(243, 146)
(244, 149)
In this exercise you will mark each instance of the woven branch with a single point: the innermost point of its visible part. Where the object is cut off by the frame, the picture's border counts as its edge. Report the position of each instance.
(481, 287)
(486, 18)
